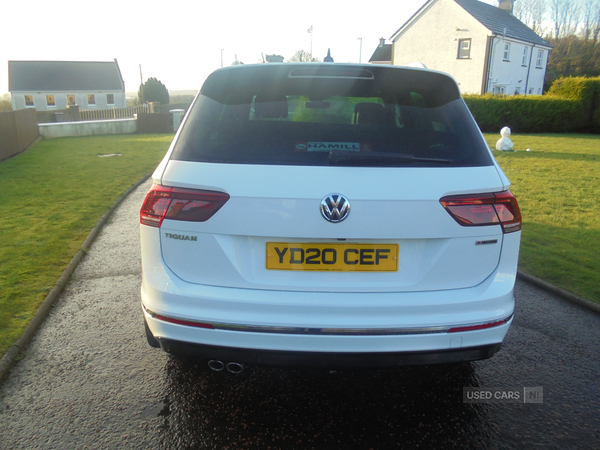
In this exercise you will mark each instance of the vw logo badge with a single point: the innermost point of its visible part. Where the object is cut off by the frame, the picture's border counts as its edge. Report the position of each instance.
(335, 208)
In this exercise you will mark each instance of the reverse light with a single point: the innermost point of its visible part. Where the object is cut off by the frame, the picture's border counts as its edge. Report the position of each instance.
(192, 205)
(500, 208)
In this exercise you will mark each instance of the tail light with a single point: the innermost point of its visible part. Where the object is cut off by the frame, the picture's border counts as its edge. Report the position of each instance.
(485, 209)
(192, 205)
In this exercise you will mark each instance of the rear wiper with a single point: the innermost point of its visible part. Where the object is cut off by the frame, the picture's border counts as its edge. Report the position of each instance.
(342, 156)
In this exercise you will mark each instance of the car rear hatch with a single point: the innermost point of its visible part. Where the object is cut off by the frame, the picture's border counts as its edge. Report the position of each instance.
(281, 205)
(264, 148)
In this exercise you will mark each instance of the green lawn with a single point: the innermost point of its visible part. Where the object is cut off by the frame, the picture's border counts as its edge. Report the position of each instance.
(557, 184)
(53, 195)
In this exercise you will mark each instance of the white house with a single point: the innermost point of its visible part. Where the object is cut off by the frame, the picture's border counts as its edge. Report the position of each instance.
(485, 48)
(49, 85)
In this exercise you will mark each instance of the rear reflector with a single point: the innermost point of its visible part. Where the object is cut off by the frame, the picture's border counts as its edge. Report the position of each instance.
(187, 323)
(500, 208)
(482, 326)
(192, 205)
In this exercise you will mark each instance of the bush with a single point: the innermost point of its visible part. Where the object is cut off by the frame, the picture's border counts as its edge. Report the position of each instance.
(571, 105)
(584, 90)
(534, 114)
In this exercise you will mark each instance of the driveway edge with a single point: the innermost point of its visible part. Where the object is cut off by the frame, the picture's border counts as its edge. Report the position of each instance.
(12, 355)
(566, 295)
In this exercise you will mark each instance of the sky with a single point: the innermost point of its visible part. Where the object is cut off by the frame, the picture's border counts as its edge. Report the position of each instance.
(181, 42)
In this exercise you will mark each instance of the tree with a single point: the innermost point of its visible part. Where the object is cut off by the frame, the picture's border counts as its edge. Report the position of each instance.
(574, 56)
(565, 17)
(5, 103)
(302, 56)
(531, 13)
(153, 91)
(591, 19)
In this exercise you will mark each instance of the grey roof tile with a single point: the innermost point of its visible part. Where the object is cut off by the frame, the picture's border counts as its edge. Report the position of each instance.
(54, 76)
(497, 20)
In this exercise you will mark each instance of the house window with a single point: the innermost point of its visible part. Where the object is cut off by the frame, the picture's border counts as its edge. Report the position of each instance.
(464, 48)
(498, 90)
(110, 99)
(524, 60)
(91, 99)
(530, 90)
(50, 100)
(539, 59)
(29, 100)
(517, 90)
(71, 100)
(506, 56)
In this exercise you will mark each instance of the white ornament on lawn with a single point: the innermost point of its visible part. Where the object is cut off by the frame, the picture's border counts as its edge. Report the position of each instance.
(504, 143)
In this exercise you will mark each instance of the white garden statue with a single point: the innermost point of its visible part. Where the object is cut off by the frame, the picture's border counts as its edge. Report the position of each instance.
(504, 143)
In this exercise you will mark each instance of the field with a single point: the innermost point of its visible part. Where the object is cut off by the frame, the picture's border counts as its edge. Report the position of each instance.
(557, 184)
(54, 194)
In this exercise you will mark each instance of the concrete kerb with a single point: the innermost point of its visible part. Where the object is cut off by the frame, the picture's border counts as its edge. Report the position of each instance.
(566, 295)
(10, 357)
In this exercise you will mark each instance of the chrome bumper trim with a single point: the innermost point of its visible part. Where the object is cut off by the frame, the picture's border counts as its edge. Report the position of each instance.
(316, 331)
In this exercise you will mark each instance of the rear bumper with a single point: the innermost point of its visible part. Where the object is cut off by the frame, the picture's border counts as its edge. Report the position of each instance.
(327, 360)
(285, 328)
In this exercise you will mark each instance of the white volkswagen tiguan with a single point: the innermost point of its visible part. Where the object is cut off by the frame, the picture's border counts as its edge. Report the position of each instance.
(329, 215)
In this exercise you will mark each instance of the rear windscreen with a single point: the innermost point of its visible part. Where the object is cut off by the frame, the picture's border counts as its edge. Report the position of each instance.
(290, 114)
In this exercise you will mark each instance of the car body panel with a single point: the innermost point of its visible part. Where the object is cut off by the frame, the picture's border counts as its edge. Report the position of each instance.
(435, 252)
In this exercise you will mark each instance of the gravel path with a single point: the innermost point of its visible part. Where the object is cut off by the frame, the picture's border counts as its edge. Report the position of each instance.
(87, 380)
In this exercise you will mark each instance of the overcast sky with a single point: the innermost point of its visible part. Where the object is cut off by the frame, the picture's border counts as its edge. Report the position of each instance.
(180, 42)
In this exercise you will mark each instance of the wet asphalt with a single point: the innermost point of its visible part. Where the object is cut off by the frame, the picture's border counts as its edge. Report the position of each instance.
(89, 380)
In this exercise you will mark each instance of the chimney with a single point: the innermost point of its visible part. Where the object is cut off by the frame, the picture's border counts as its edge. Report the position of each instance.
(381, 42)
(506, 5)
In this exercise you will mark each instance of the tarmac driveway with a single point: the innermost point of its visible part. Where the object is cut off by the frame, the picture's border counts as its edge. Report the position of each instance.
(89, 380)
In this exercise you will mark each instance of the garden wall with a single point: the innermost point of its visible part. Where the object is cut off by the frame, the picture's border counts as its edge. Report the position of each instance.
(88, 128)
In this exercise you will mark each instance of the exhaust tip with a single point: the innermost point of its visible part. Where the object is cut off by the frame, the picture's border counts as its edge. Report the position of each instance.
(216, 365)
(234, 367)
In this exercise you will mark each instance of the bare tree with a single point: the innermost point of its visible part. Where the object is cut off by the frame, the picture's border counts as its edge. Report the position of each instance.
(302, 56)
(565, 17)
(521, 12)
(596, 30)
(572, 14)
(531, 13)
(555, 9)
(591, 19)
(538, 13)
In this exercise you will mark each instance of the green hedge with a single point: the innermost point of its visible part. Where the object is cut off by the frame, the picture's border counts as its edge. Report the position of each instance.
(571, 105)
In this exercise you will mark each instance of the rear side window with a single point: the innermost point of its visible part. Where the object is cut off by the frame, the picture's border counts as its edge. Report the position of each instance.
(314, 114)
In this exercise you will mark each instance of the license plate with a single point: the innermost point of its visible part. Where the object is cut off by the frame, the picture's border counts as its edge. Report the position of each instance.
(346, 257)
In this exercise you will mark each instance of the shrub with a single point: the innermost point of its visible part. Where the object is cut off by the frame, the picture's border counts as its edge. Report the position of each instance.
(533, 114)
(571, 105)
